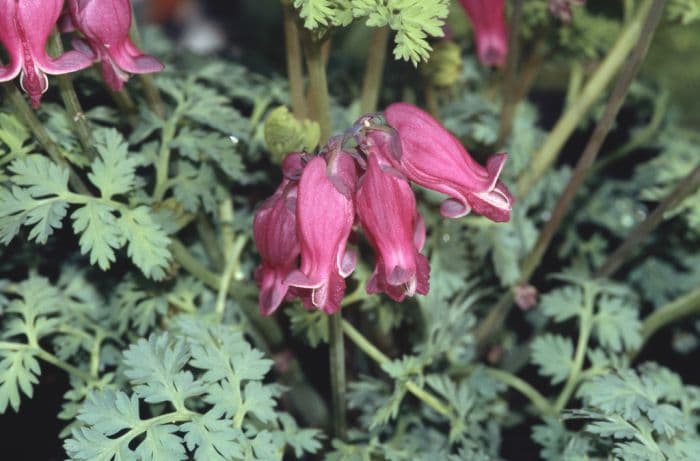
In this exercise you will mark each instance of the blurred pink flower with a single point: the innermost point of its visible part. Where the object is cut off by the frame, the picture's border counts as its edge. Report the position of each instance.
(488, 20)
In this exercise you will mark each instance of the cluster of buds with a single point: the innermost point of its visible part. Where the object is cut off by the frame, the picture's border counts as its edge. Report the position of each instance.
(361, 181)
(103, 35)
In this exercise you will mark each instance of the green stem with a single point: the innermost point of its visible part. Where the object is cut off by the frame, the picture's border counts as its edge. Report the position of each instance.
(55, 361)
(510, 100)
(232, 264)
(687, 186)
(338, 381)
(72, 103)
(378, 356)
(586, 325)
(295, 72)
(640, 137)
(150, 89)
(537, 399)
(208, 238)
(672, 312)
(575, 81)
(374, 68)
(497, 315)
(320, 108)
(29, 118)
(163, 161)
(547, 154)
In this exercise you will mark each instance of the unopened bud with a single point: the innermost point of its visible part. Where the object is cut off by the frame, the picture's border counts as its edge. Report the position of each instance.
(445, 64)
(284, 133)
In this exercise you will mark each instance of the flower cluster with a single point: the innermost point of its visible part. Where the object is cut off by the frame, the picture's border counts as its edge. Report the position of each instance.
(488, 20)
(25, 27)
(361, 180)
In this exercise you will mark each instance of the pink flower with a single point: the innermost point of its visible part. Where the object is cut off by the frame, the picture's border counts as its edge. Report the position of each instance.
(275, 234)
(387, 210)
(430, 156)
(488, 20)
(325, 215)
(106, 24)
(24, 29)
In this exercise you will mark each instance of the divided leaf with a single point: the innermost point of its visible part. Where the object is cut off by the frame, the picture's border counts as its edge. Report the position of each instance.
(553, 354)
(114, 171)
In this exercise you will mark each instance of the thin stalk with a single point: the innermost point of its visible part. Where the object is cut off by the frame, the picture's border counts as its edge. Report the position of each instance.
(431, 100)
(378, 356)
(320, 108)
(641, 137)
(124, 103)
(509, 82)
(150, 89)
(586, 325)
(58, 363)
(163, 161)
(575, 81)
(374, 68)
(497, 315)
(530, 69)
(338, 381)
(295, 72)
(72, 103)
(545, 157)
(533, 395)
(209, 241)
(672, 312)
(31, 121)
(687, 186)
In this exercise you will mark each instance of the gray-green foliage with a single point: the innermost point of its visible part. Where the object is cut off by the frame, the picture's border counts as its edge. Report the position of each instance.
(413, 21)
(210, 380)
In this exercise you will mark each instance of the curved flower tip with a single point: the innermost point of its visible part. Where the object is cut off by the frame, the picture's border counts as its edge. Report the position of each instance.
(324, 220)
(274, 231)
(435, 159)
(24, 29)
(105, 24)
(387, 210)
(488, 20)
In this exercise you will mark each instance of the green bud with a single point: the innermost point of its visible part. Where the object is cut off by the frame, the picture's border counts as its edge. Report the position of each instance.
(284, 133)
(445, 64)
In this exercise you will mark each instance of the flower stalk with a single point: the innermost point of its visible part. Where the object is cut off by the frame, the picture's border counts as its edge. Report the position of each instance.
(319, 100)
(338, 379)
(295, 72)
(374, 68)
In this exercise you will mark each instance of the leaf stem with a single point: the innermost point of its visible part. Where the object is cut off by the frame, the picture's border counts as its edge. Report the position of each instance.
(233, 246)
(546, 155)
(509, 82)
(28, 116)
(672, 312)
(163, 161)
(585, 327)
(497, 315)
(687, 186)
(72, 103)
(374, 68)
(55, 361)
(150, 89)
(295, 71)
(378, 356)
(537, 399)
(338, 380)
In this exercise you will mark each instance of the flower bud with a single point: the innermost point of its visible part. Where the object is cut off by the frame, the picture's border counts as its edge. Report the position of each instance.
(284, 133)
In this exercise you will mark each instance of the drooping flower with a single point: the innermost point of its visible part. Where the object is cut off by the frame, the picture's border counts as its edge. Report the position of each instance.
(275, 234)
(105, 24)
(433, 158)
(25, 27)
(488, 20)
(325, 216)
(386, 206)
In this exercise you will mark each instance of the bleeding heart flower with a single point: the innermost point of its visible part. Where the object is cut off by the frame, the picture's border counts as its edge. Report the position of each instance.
(25, 27)
(432, 157)
(387, 210)
(275, 234)
(325, 215)
(105, 24)
(489, 24)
